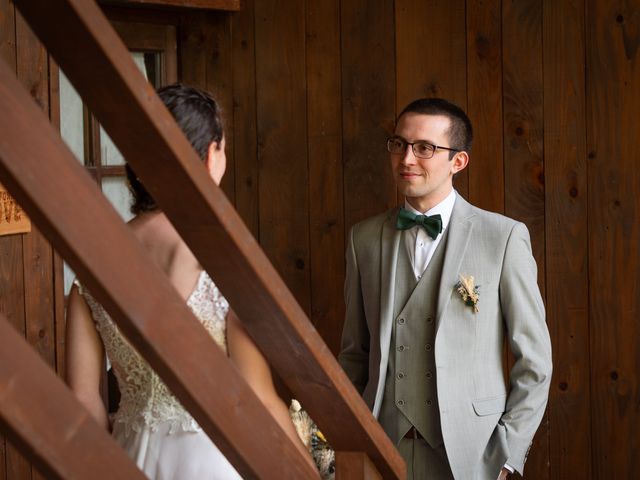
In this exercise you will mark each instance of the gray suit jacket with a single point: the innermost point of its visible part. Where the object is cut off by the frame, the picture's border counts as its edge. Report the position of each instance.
(484, 423)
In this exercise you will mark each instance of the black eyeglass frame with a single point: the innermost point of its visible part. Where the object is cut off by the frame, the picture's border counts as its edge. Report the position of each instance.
(421, 142)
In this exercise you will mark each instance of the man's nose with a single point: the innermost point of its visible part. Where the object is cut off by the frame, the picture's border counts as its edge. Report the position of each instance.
(408, 158)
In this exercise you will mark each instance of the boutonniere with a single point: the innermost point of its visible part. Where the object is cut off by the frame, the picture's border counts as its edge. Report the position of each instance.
(468, 291)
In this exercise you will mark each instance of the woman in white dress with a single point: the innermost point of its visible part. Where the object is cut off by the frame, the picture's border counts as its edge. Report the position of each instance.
(152, 427)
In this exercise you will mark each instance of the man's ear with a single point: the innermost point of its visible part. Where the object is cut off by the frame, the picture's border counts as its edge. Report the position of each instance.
(459, 162)
(212, 152)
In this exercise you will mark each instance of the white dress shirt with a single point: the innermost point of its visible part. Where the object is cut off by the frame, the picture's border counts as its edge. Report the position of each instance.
(420, 246)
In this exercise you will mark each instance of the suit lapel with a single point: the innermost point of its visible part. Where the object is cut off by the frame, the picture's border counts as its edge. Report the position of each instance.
(460, 227)
(389, 244)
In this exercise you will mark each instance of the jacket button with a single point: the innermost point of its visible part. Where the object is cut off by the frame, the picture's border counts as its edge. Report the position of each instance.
(429, 402)
(401, 402)
(401, 321)
(401, 375)
(427, 347)
(429, 375)
(401, 348)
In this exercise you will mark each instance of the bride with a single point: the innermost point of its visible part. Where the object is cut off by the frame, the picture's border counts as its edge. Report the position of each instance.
(151, 426)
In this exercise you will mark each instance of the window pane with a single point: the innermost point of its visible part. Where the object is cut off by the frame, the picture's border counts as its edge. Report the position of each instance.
(71, 118)
(117, 191)
(109, 153)
(153, 70)
(69, 277)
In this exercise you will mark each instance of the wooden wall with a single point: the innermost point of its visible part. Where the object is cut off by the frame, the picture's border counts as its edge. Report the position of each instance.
(311, 89)
(27, 288)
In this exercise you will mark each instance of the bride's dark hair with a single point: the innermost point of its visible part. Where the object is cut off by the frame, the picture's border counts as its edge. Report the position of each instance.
(198, 115)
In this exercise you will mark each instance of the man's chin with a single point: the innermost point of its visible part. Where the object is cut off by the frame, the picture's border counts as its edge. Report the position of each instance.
(411, 192)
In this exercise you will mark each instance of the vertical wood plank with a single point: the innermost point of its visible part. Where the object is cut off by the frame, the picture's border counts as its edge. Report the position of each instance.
(13, 465)
(324, 114)
(205, 62)
(60, 320)
(431, 54)
(484, 80)
(282, 141)
(523, 156)
(523, 119)
(12, 307)
(12, 303)
(567, 237)
(33, 72)
(8, 33)
(10, 243)
(58, 274)
(3, 456)
(613, 102)
(245, 146)
(368, 108)
(39, 302)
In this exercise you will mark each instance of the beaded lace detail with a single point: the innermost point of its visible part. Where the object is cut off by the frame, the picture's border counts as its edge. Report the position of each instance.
(145, 401)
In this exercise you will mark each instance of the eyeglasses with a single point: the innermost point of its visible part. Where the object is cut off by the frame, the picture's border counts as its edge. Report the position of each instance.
(421, 148)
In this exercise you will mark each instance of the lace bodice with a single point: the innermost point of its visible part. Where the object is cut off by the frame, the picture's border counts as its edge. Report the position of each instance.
(145, 400)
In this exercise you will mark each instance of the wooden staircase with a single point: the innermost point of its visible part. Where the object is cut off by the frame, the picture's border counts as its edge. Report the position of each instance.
(36, 410)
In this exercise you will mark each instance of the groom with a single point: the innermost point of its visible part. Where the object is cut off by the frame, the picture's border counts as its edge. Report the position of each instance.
(432, 290)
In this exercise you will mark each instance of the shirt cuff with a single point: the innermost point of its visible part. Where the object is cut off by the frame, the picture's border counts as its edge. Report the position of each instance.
(509, 467)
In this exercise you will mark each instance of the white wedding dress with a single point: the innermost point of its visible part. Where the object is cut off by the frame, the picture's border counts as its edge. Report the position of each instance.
(159, 435)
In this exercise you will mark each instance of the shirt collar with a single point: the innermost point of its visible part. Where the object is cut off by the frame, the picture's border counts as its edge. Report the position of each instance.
(444, 208)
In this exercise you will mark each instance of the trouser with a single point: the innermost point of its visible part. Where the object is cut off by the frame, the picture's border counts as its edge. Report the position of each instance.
(423, 461)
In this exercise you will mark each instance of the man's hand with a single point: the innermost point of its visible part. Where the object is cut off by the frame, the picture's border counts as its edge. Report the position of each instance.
(504, 473)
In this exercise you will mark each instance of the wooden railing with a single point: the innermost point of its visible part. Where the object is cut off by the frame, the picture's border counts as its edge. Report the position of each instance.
(40, 171)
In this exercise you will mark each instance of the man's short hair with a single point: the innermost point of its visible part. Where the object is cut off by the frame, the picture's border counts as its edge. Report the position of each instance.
(460, 132)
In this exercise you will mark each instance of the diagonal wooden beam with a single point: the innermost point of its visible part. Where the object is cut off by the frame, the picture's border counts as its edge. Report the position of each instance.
(59, 196)
(41, 415)
(101, 70)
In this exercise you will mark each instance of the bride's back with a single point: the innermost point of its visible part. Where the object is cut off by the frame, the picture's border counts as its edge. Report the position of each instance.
(167, 250)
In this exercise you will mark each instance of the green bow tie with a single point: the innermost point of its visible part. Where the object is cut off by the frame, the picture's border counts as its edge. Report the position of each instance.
(408, 219)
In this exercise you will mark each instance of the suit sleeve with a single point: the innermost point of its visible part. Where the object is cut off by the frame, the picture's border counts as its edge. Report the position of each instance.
(528, 336)
(354, 352)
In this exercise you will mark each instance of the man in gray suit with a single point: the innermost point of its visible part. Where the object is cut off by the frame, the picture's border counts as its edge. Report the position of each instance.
(432, 290)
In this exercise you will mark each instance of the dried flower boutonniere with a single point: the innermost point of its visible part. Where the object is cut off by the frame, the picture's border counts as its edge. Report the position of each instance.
(468, 291)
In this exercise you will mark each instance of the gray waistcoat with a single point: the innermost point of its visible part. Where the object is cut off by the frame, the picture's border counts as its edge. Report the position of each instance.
(410, 395)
